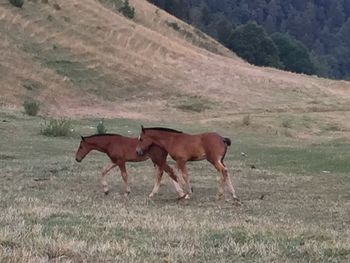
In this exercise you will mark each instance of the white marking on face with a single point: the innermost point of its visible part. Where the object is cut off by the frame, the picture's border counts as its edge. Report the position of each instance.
(139, 138)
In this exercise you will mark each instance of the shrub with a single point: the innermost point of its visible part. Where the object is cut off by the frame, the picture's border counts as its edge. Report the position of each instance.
(57, 128)
(333, 127)
(31, 107)
(246, 120)
(173, 25)
(287, 123)
(17, 3)
(101, 129)
(127, 10)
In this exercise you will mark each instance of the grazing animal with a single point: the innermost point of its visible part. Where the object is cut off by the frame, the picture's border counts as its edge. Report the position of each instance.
(121, 149)
(184, 147)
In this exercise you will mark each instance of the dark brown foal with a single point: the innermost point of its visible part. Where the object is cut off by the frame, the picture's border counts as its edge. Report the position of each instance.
(121, 149)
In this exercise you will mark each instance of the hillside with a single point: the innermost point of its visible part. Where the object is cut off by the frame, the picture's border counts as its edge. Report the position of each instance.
(321, 26)
(81, 58)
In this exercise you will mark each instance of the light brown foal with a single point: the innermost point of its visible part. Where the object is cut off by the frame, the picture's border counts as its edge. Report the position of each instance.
(184, 147)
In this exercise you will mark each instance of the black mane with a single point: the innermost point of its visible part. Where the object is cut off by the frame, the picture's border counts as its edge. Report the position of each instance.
(163, 129)
(102, 134)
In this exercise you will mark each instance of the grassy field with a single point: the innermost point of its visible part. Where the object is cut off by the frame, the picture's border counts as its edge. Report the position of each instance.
(296, 202)
(79, 58)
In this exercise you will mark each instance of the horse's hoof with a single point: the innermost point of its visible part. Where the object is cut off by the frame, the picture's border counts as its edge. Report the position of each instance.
(126, 194)
(151, 195)
(237, 201)
(181, 197)
(187, 197)
(220, 197)
(106, 192)
(192, 189)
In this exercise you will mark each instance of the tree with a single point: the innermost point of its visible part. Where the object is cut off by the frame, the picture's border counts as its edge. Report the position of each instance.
(251, 42)
(293, 54)
(274, 16)
(342, 51)
(223, 30)
(344, 34)
(205, 16)
(316, 23)
(336, 14)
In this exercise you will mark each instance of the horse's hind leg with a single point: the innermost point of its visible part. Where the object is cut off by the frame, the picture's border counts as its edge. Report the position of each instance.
(103, 179)
(125, 178)
(225, 178)
(157, 178)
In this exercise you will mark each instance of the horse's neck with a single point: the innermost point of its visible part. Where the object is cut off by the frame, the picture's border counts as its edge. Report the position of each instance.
(163, 140)
(99, 145)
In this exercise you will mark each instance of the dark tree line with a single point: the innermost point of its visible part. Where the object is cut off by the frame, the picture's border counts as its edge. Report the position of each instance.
(317, 31)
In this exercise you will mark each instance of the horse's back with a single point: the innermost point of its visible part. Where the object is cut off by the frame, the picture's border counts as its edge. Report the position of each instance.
(211, 137)
(124, 149)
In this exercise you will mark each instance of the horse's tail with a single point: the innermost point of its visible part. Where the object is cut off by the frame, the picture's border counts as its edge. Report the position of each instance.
(227, 141)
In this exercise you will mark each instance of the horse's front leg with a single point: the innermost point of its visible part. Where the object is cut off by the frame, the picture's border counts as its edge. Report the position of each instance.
(175, 180)
(157, 178)
(125, 178)
(103, 179)
(181, 165)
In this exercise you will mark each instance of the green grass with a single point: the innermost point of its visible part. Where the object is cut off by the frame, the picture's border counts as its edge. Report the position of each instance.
(296, 156)
(57, 128)
(89, 78)
(194, 104)
(63, 62)
(53, 208)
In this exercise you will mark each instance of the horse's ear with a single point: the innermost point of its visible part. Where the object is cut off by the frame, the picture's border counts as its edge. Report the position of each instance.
(82, 138)
(142, 129)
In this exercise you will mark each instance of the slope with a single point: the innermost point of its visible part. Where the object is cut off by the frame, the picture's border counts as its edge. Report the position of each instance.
(83, 58)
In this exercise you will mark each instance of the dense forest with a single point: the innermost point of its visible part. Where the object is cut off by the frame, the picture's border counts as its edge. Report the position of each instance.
(316, 30)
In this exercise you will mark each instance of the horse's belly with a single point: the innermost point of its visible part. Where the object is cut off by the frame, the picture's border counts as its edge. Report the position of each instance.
(141, 159)
(135, 159)
(198, 157)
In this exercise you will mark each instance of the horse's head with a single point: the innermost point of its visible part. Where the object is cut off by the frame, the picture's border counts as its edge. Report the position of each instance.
(143, 143)
(83, 150)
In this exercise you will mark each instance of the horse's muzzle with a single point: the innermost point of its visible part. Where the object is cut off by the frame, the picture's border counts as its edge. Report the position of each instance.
(139, 152)
(78, 160)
